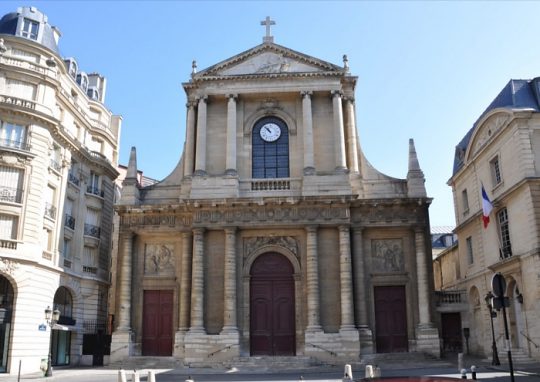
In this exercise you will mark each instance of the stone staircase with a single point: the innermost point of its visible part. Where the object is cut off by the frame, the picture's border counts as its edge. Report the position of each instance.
(267, 363)
(401, 360)
(519, 357)
(139, 363)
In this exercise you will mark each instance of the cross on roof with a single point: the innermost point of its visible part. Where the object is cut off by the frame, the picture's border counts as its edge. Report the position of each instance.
(267, 22)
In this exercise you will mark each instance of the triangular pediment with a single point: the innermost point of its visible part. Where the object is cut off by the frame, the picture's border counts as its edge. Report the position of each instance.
(269, 58)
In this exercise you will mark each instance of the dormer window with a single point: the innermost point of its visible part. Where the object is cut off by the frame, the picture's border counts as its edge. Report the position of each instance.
(82, 80)
(30, 29)
(71, 66)
(93, 93)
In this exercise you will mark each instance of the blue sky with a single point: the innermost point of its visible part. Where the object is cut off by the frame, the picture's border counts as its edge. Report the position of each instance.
(427, 70)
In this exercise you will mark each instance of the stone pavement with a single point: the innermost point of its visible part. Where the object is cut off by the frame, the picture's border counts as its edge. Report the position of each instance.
(444, 367)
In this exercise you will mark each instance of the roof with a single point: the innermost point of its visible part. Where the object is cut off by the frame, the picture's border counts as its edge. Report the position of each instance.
(517, 94)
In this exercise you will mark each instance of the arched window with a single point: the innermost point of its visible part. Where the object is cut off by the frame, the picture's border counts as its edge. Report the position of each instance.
(270, 148)
(61, 338)
(6, 308)
(63, 302)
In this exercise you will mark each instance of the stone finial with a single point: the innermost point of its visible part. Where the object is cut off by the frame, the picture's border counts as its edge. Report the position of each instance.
(415, 177)
(3, 48)
(345, 63)
(132, 164)
(130, 194)
(267, 22)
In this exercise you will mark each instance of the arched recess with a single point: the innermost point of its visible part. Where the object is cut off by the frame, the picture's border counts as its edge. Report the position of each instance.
(61, 333)
(515, 313)
(246, 277)
(7, 303)
(272, 110)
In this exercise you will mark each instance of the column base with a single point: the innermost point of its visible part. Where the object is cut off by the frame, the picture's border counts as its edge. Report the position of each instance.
(196, 330)
(231, 172)
(428, 340)
(229, 330)
(314, 329)
(333, 348)
(309, 170)
(341, 170)
(121, 345)
(366, 340)
(200, 173)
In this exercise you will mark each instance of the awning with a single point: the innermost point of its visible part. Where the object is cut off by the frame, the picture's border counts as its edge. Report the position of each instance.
(70, 328)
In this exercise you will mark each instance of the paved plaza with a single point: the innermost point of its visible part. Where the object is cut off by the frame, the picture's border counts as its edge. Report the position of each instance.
(448, 368)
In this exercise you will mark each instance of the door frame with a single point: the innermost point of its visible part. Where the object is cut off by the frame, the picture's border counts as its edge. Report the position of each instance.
(245, 307)
(173, 307)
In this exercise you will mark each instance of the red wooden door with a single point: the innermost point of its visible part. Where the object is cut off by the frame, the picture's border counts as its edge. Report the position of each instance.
(157, 323)
(272, 314)
(390, 319)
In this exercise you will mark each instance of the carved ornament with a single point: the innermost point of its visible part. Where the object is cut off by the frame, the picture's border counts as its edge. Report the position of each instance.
(169, 220)
(387, 255)
(251, 244)
(158, 259)
(7, 266)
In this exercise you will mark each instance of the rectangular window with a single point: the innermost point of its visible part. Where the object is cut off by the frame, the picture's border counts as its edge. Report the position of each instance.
(50, 202)
(11, 180)
(504, 226)
(30, 29)
(470, 255)
(12, 135)
(47, 239)
(66, 250)
(94, 184)
(68, 209)
(465, 201)
(56, 158)
(495, 171)
(21, 89)
(8, 227)
(89, 256)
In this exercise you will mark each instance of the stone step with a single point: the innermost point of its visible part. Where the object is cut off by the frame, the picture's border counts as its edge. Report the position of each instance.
(139, 363)
(263, 363)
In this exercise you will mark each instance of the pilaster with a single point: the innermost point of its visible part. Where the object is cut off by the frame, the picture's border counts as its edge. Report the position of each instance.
(230, 164)
(190, 139)
(313, 295)
(200, 152)
(307, 117)
(339, 133)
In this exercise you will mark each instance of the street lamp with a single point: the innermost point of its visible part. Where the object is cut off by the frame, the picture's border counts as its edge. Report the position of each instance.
(52, 318)
(492, 315)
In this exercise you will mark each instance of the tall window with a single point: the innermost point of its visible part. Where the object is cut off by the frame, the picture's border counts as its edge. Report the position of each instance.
(61, 339)
(470, 254)
(30, 29)
(8, 227)
(465, 201)
(506, 250)
(270, 145)
(89, 256)
(495, 171)
(94, 184)
(21, 89)
(12, 135)
(50, 204)
(66, 250)
(92, 223)
(11, 184)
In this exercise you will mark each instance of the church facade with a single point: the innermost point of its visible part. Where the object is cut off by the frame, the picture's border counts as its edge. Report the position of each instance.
(273, 236)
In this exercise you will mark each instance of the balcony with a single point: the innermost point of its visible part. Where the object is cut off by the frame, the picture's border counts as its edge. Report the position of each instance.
(10, 194)
(55, 165)
(95, 191)
(73, 179)
(8, 244)
(88, 269)
(92, 230)
(70, 221)
(18, 145)
(451, 300)
(50, 211)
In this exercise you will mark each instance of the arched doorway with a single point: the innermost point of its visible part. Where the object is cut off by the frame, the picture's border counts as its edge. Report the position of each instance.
(6, 310)
(272, 298)
(61, 334)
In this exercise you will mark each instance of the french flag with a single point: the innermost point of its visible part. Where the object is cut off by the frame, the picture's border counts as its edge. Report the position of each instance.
(486, 207)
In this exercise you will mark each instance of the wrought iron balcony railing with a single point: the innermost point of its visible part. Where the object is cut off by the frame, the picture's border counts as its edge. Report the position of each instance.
(10, 194)
(73, 179)
(92, 230)
(50, 211)
(95, 191)
(70, 221)
(55, 165)
(14, 144)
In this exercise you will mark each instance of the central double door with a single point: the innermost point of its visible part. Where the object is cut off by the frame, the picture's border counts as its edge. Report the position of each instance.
(272, 314)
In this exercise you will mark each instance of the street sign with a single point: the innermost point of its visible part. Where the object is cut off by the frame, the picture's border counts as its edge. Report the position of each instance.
(498, 285)
(42, 328)
(499, 302)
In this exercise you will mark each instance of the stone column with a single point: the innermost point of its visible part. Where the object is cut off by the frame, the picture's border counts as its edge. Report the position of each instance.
(185, 282)
(197, 283)
(230, 164)
(309, 161)
(190, 139)
(352, 143)
(313, 295)
(360, 306)
(345, 276)
(341, 163)
(422, 279)
(200, 154)
(124, 284)
(229, 318)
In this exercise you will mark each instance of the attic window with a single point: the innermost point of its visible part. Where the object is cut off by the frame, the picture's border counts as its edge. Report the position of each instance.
(30, 29)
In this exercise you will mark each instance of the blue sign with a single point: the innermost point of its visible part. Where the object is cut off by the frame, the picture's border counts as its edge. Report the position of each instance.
(42, 328)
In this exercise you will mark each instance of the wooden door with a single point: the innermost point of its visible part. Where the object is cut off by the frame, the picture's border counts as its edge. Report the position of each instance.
(390, 319)
(272, 314)
(451, 333)
(157, 323)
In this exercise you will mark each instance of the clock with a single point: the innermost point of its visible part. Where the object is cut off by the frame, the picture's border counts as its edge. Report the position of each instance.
(270, 132)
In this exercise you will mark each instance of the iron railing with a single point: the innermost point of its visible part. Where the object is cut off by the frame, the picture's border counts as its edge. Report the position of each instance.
(73, 179)
(50, 211)
(14, 144)
(92, 230)
(70, 221)
(10, 194)
(95, 191)
(55, 165)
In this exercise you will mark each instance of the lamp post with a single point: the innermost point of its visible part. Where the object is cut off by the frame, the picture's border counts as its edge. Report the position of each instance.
(492, 315)
(52, 318)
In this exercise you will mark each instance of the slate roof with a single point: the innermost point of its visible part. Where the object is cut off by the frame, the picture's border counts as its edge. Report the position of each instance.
(8, 25)
(517, 94)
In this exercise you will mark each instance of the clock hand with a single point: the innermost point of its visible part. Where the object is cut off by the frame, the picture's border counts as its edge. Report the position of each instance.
(267, 129)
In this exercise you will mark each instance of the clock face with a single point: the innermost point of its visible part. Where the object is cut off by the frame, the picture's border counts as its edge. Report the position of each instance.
(270, 132)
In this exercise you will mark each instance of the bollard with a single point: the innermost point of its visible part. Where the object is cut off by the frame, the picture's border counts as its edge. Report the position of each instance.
(136, 377)
(121, 375)
(369, 371)
(151, 376)
(189, 379)
(377, 371)
(463, 373)
(460, 361)
(473, 372)
(347, 374)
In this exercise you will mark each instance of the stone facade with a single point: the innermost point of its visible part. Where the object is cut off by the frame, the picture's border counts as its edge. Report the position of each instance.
(501, 153)
(58, 157)
(272, 197)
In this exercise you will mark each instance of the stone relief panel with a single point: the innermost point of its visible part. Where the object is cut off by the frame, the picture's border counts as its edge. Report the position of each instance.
(387, 255)
(159, 259)
(253, 243)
